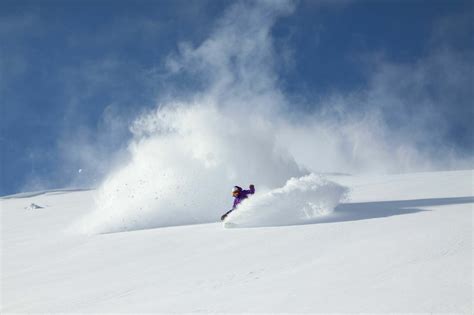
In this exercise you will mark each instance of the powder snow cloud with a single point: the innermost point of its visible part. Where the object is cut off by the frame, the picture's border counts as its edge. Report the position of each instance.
(234, 125)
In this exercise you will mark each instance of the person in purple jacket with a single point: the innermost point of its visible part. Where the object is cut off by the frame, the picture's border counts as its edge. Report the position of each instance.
(239, 194)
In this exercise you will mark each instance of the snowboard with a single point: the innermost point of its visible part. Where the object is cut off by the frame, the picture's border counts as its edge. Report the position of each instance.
(225, 215)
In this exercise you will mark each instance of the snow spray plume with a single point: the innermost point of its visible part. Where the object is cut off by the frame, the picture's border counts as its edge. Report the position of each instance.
(302, 200)
(186, 155)
(181, 173)
(240, 129)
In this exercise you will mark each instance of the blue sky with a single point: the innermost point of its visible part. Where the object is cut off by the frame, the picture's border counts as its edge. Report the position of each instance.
(75, 74)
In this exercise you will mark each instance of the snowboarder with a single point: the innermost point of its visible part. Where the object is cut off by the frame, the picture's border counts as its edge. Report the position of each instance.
(239, 194)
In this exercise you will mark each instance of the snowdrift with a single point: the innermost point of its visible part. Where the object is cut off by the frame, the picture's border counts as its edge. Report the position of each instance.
(302, 200)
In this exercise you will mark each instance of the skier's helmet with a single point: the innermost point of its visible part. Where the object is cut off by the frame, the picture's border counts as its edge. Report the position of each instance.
(236, 190)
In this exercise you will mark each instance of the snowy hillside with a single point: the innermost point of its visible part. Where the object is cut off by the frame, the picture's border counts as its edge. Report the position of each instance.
(398, 243)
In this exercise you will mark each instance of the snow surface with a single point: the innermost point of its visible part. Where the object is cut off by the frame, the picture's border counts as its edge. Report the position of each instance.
(400, 243)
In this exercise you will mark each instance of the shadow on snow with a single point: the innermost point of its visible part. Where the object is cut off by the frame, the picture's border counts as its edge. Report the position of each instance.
(355, 211)
(382, 209)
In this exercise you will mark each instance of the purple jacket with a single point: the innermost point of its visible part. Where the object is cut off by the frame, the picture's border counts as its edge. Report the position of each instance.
(244, 194)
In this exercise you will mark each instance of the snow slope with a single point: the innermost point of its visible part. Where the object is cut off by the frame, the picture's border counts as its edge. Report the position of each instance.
(402, 243)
